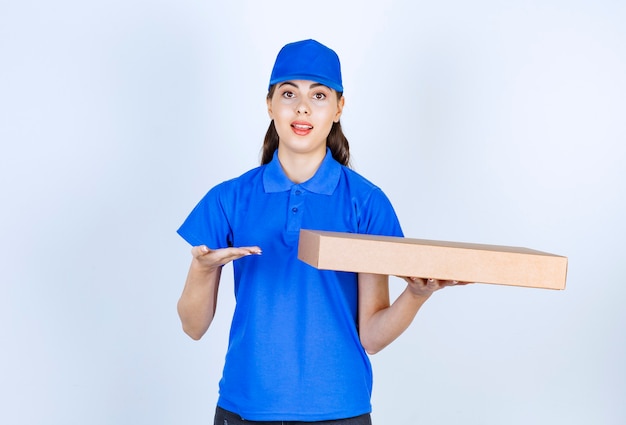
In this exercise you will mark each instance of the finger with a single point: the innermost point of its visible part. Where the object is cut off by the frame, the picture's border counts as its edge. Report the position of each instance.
(433, 283)
(415, 280)
(253, 250)
(230, 254)
(457, 283)
(200, 250)
(242, 251)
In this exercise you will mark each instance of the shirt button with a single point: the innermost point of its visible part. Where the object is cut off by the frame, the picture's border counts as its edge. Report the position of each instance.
(298, 192)
(294, 210)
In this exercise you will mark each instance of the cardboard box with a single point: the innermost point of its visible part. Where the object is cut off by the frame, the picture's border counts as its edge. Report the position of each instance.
(503, 265)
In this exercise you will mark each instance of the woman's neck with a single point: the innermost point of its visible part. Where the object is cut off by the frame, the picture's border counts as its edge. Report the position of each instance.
(300, 167)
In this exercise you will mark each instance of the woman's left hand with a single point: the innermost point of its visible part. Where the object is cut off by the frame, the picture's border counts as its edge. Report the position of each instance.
(425, 287)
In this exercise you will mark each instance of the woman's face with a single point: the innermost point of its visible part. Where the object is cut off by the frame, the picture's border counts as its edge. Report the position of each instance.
(304, 112)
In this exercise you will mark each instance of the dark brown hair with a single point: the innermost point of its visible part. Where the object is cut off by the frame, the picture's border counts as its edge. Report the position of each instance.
(336, 140)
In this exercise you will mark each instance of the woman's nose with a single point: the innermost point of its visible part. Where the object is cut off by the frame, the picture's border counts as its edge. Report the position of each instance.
(303, 107)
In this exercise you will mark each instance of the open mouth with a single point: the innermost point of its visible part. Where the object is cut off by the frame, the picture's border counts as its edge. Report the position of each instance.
(301, 128)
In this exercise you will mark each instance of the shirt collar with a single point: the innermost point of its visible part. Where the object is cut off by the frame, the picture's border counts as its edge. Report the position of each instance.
(323, 182)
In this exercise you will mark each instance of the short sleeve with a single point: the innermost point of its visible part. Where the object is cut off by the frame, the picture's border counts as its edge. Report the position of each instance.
(208, 222)
(378, 216)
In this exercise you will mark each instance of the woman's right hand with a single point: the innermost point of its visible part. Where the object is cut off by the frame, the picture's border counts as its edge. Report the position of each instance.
(214, 258)
(197, 304)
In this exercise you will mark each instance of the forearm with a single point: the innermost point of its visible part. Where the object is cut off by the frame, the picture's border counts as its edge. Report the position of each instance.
(387, 324)
(197, 304)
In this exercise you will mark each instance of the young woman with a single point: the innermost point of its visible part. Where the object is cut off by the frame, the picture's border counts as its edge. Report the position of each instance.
(300, 337)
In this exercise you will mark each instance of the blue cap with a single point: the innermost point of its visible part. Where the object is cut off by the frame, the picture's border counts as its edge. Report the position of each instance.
(307, 60)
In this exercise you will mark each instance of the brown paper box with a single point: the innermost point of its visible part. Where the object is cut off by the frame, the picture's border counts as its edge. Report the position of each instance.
(464, 262)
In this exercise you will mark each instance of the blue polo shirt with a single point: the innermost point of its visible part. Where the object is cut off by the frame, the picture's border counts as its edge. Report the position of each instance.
(294, 352)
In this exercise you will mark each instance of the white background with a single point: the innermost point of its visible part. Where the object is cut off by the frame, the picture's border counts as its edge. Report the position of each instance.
(486, 121)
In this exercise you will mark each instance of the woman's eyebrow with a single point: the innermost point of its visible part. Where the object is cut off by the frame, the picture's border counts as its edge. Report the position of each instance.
(314, 85)
(289, 83)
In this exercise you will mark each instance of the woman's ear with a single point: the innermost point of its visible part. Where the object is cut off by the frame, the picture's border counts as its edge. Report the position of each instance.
(340, 103)
(269, 107)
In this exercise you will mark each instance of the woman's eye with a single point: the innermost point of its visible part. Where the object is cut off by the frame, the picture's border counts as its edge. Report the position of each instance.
(319, 96)
(288, 95)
